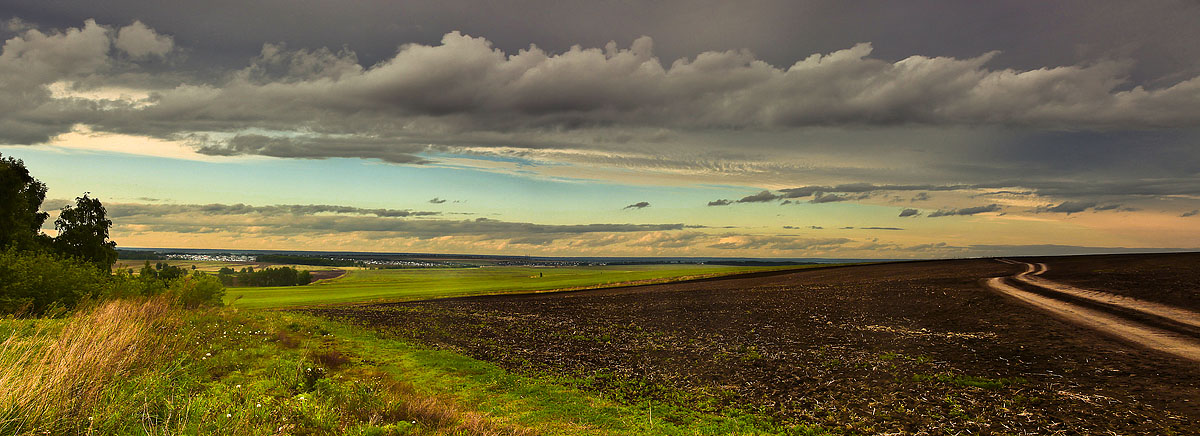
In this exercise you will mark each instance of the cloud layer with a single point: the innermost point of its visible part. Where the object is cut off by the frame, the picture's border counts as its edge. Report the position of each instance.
(465, 84)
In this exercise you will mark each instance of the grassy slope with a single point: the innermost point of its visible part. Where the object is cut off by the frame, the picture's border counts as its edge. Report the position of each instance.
(417, 284)
(230, 372)
(258, 372)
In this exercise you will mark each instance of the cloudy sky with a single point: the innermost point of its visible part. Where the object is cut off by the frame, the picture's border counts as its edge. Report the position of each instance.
(660, 128)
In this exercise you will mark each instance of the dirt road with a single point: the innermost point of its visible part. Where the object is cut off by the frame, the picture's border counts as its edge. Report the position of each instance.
(1113, 314)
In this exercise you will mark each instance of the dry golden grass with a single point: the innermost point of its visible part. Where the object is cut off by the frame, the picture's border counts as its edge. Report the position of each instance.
(51, 377)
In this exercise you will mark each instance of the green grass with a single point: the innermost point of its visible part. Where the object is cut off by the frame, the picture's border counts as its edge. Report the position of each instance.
(418, 284)
(225, 372)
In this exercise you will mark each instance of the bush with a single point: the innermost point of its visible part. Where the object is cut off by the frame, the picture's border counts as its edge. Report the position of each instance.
(36, 283)
(197, 290)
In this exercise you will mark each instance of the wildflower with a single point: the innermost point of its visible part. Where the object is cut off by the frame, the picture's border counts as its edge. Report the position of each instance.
(228, 415)
(257, 404)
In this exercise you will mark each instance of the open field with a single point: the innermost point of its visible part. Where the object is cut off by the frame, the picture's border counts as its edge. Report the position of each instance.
(1163, 278)
(420, 284)
(201, 265)
(213, 266)
(910, 348)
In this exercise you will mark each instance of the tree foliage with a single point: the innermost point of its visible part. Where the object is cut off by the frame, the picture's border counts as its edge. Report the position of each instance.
(21, 196)
(39, 275)
(83, 233)
(281, 276)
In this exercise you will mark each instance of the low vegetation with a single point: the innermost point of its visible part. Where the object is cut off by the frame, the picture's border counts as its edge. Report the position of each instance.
(39, 283)
(152, 366)
(277, 276)
(416, 284)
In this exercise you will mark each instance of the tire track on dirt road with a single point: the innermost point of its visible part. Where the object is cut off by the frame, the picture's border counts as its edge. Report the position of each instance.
(1123, 322)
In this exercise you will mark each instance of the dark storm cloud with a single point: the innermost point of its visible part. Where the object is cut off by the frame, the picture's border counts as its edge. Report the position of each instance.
(1049, 188)
(881, 228)
(316, 148)
(966, 211)
(1068, 207)
(1191, 213)
(466, 84)
(328, 219)
(437, 91)
(760, 197)
(909, 212)
(638, 205)
(721, 202)
(827, 198)
(1157, 33)
(1017, 193)
(436, 200)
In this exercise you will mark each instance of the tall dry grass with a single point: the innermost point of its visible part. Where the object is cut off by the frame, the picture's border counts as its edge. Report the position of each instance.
(52, 378)
(124, 362)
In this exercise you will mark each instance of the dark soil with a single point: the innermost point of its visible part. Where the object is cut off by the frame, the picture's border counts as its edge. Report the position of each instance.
(1172, 279)
(909, 348)
(327, 274)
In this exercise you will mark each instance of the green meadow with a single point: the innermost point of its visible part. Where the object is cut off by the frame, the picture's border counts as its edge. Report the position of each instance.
(419, 284)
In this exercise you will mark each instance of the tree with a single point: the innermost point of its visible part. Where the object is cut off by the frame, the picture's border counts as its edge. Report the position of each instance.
(21, 196)
(83, 232)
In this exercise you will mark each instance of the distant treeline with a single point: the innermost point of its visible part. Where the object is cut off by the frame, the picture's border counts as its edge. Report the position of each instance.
(757, 263)
(137, 255)
(304, 260)
(281, 276)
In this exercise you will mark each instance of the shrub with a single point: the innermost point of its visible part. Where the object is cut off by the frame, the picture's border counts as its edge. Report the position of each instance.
(36, 283)
(197, 290)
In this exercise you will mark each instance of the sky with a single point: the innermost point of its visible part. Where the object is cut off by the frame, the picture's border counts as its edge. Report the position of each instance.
(872, 129)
